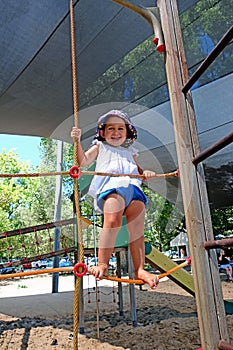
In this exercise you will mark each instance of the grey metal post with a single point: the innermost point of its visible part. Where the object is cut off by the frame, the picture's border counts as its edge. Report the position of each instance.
(132, 292)
(57, 214)
(120, 291)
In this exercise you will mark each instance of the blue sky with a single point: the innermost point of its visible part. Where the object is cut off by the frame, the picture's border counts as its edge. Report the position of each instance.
(27, 147)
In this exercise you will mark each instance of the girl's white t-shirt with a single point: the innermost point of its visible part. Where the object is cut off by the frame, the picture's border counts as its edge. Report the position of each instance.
(117, 160)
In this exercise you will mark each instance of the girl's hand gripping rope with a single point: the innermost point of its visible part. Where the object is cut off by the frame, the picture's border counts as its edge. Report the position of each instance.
(76, 133)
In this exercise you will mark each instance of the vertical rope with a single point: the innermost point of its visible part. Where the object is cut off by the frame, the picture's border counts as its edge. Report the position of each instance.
(76, 196)
(74, 65)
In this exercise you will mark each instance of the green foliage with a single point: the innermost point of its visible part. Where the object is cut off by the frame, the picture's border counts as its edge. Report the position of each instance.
(202, 27)
(15, 192)
(142, 69)
(29, 201)
(222, 221)
(163, 220)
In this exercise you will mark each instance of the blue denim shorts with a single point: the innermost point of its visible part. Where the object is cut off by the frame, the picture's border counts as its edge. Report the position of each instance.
(129, 194)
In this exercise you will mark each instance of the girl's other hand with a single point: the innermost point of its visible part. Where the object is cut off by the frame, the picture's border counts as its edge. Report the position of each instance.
(148, 174)
(76, 133)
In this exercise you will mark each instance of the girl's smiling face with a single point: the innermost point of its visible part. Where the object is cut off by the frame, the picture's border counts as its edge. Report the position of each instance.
(115, 131)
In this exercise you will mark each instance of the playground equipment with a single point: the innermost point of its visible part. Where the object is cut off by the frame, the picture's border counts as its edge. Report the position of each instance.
(80, 270)
(208, 293)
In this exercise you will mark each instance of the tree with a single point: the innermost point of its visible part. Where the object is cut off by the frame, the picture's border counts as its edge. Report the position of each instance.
(163, 220)
(222, 221)
(18, 199)
(29, 201)
(15, 192)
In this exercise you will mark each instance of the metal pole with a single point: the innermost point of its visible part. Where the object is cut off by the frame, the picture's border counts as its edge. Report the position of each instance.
(225, 242)
(120, 291)
(96, 284)
(225, 141)
(209, 59)
(57, 214)
(132, 292)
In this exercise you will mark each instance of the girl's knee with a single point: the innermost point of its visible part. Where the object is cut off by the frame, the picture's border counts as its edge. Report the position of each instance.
(135, 212)
(113, 221)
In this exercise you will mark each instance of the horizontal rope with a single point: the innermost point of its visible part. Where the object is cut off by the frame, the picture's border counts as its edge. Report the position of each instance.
(36, 272)
(167, 273)
(36, 174)
(111, 278)
(87, 172)
(137, 176)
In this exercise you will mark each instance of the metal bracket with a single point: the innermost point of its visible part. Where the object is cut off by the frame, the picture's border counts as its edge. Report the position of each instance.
(151, 14)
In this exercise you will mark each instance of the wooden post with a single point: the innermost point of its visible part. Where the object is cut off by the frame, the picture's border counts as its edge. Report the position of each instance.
(208, 291)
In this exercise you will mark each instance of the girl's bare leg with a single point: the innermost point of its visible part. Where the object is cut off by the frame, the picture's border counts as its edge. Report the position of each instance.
(113, 211)
(135, 215)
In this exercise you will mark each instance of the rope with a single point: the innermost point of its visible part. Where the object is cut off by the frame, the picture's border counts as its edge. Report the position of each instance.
(76, 196)
(133, 281)
(110, 278)
(36, 174)
(137, 176)
(91, 173)
(36, 272)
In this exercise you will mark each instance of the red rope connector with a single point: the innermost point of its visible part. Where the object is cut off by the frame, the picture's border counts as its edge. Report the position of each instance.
(161, 48)
(80, 266)
(75, 172)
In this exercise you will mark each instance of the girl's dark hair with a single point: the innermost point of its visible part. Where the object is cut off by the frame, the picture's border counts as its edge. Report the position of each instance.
(100, 138)
(131, 130)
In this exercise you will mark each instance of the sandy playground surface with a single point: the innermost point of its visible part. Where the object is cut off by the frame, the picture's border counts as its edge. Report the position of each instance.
(32, 318)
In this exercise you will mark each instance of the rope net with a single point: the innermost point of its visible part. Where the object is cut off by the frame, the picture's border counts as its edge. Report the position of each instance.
(35, 243)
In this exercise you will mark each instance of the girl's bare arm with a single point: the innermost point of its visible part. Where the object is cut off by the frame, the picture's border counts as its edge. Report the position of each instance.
(84, 158)
(146, 173)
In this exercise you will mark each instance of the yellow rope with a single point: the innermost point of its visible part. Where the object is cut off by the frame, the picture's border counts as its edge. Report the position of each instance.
(76, 196)
(164, 274)
(110, 278)
(137, 176)
(91, 173)
(36, 174)
(36, 272)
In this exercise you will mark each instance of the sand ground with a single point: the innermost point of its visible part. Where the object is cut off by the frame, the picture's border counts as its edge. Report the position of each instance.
(33, 318)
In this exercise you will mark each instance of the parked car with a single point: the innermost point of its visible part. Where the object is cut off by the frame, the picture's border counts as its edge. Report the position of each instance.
(39, 264)
(65, 262)
(6, 270)
(49, 263)
(172, 254)
(93, 262)
(87, 260)
(27, 265)
(113, 263)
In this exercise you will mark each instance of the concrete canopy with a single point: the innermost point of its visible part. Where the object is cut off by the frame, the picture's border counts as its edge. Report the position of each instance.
(36, 84)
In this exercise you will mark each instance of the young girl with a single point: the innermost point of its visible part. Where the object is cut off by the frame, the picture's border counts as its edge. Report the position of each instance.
(117, 196)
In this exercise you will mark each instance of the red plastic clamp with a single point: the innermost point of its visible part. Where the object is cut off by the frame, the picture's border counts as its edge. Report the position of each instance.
(80, 266)
(75, 172)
